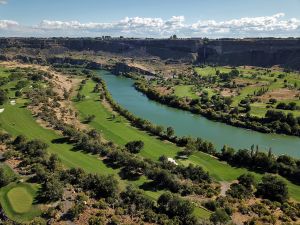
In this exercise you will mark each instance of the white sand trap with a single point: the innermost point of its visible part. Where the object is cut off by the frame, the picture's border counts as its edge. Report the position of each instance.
(1, 110)
(171, 160)
(13, 102)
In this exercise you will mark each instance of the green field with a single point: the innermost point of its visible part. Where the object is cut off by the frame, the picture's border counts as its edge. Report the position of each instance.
(18, 201)
(185, 91)
(119, 131)
(16, 120)
(211, 71)
(8, 171)
(3, 72)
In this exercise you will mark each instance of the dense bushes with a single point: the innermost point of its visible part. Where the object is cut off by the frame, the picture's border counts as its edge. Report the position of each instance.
(271, 187)
(3, 97)
(289, 106)
(134, 146)
(262, 162)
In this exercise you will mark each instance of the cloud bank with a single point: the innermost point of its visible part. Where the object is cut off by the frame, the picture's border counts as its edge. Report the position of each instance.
(3, 2)
(275, 25)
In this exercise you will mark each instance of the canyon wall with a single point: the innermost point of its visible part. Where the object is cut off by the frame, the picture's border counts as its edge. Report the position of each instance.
(256, 52)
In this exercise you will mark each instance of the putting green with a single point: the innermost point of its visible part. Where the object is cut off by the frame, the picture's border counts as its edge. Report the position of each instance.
(20, 199)
(17, 201)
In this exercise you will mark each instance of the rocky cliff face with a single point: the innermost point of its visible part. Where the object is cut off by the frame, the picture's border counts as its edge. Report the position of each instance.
(255, 52)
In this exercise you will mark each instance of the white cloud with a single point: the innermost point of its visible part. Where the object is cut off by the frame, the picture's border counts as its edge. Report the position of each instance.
(275, 25)
(248, 24)
(2, 2)
(6, 24)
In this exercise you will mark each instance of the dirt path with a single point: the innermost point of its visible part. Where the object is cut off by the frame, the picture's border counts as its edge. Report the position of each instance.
(225, 186)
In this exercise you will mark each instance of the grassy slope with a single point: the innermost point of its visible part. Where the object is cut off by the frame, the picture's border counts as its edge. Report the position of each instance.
(8, 171)
(18, 120)
(119, 131)
(21, 208)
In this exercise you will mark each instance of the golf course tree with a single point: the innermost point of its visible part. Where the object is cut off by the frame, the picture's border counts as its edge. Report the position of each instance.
(51, 190)
(133, 196)
(5, 178)
(80, 97)
(78, 207)
(101, 186)
(134, 146)
(89, 118)
(174, 206)
(170, 132)
(257, 160)
(3, 97)
(219, 217)
(247, 180)
(18, 93)
(21, 84)
(273, 188)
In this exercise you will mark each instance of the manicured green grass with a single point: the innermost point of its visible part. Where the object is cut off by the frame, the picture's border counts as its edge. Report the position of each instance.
(18, 201)
(249, 90)
(211, 71)
(185, 91)
(202, 213)
(17, 120)
(3, 72)
(8, 171)
(120, 131)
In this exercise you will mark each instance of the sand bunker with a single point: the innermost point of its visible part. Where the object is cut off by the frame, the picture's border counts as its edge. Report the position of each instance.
(1, 110)
(171, 160)
(13, 102)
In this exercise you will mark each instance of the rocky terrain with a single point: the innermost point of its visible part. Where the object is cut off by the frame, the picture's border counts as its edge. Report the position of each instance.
(264, 52)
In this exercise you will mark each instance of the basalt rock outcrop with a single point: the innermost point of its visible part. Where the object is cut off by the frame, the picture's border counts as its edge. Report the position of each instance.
(255, 51)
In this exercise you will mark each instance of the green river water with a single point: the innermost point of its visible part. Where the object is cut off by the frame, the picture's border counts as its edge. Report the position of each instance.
(188, 124)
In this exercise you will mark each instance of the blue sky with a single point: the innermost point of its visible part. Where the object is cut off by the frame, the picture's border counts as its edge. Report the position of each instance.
(155, 18)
